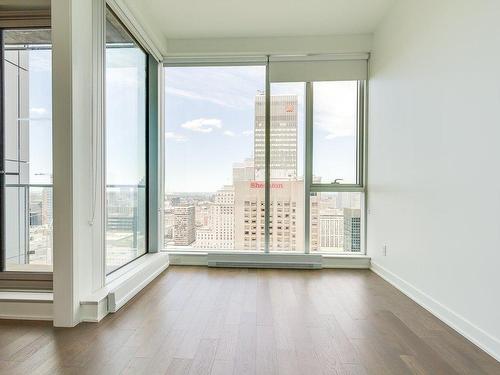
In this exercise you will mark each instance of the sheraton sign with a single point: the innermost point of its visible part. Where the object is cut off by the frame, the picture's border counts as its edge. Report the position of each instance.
(260, 185)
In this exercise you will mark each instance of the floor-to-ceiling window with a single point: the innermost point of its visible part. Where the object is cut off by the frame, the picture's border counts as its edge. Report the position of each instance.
(126, 146)
(26, 150)
(214, 163)
(336, 200)
(223, 155)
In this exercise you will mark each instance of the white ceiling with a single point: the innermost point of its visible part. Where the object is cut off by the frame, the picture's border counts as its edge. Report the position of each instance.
(193, 19)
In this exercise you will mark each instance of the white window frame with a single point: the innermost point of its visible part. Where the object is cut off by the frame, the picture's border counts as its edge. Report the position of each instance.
(309, 187)
(358, 187)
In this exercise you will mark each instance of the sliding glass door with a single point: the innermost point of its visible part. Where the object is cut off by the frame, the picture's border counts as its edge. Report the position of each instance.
(26, 150)
(126, 146)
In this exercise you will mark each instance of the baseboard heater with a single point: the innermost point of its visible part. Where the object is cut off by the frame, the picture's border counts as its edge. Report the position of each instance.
(126, 287)
(293, 261)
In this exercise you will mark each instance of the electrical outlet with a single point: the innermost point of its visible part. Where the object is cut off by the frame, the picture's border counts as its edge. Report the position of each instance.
(384, 249)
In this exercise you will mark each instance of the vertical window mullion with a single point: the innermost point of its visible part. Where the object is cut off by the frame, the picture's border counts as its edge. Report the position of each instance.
(308, 167)
(267, 161)
(2, 166)
(360, 135)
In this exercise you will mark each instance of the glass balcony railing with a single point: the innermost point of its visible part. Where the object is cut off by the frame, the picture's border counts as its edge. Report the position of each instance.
(28, 227)
(125, 224)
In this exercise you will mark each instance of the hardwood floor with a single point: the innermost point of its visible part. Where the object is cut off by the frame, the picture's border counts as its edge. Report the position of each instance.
(194, 320)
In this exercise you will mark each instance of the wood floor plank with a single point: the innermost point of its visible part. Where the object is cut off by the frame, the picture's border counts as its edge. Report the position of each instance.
(196, 320)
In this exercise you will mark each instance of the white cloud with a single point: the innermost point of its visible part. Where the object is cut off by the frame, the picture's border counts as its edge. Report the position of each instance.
(38, 111)
(336, 109)
(192, 95)
(175, 137)
(247, 132)
(229, 133)
(231, 87)
(38, 114)
(203, 125)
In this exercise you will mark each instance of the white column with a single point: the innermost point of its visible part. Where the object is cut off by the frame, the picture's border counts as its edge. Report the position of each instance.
(77, 120)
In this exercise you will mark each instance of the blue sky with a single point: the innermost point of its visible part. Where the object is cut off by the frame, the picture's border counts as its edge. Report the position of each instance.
(125, 116)
(209, 121)
(40, 112)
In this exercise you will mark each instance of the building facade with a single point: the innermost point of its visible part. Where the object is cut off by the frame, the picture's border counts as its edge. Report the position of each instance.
(283, 157)
(184, 227)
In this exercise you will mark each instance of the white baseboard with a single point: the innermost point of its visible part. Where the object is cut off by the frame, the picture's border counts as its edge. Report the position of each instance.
(26, 305)
(479, 337)
(346, 261)
(93, 311)
(188, 259)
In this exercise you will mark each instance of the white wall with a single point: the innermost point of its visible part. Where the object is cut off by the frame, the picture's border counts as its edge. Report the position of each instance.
(434, 159)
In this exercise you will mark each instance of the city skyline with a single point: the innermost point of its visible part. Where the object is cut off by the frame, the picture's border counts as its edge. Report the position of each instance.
(232, 217)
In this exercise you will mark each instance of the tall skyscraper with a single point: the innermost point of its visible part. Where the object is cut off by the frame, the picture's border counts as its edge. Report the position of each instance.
(184, 229)
(283, 137)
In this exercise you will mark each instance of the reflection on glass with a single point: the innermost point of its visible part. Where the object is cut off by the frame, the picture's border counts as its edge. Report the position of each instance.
(335, 132)
(286, 232)
(27, 149)
(336, 220)
(214, 166)
(126, 222)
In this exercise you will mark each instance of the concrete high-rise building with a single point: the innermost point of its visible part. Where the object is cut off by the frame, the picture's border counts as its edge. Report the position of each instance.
(47, 206)
(16, 147)
(352, 230)
(244, 171)
(219, 232)
(184, 227)
(286, 216)
(331, 230)
(283, 137)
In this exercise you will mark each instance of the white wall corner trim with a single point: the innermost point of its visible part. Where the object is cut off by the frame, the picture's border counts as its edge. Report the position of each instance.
(479, 337)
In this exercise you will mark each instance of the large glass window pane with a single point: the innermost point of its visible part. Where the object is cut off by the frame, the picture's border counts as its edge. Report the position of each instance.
(214, 157)
(27, 149)
(336, 222)
(335, 132)
(287, 167)
(126, 189)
